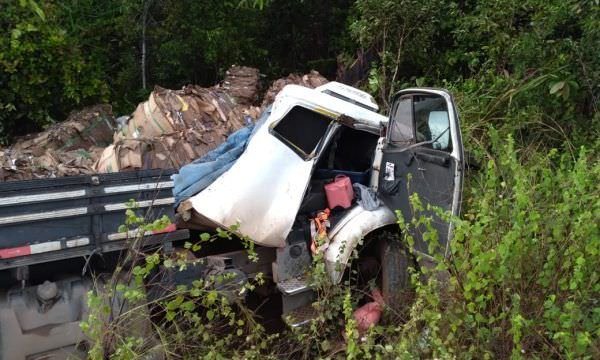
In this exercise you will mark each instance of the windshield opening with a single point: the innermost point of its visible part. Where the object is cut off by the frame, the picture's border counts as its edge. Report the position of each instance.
(302, 130)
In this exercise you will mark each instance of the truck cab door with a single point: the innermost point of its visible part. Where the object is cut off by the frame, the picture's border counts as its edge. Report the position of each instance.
(423, 154)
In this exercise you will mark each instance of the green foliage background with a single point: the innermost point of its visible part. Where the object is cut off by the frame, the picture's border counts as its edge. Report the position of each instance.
(59, 55)
(524, 278)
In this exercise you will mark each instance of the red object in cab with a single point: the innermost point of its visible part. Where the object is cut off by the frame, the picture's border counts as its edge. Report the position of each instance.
(339, 192)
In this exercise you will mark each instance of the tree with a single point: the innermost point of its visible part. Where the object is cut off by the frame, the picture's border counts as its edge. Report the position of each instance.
(43, 73)
(402, 31)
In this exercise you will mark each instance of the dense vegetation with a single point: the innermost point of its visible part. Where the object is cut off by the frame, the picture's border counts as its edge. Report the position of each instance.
(60, 55)
(524, 278)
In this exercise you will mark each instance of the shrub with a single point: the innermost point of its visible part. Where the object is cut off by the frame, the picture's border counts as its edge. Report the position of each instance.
(524, 278)
(43, 71)
(134, 314)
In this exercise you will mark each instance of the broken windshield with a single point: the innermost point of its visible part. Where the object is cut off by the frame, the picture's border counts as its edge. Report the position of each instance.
(302, 130)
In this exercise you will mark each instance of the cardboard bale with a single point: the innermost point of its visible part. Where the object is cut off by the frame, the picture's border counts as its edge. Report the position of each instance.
(242, 84)
(311, 80)
(147, 121)
(52, 163)
(108, 161)
(64, 149)
(91, 126)
(193, 107)
(76, 162)
(123, 155)
(172, 128)
(176, 150)
(175, 127)
(130, 154)
(164, 152)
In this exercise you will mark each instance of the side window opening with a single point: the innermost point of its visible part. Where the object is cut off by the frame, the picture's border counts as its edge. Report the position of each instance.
(432, 123)
(349, 150)
(402, 130)
(302, 130)
(421, 119)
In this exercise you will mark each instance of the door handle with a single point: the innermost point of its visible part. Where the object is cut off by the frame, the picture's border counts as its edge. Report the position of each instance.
(421, 169)
(440, 159)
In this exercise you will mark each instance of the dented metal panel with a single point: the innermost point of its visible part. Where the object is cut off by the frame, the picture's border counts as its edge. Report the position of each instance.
(263, 190)
(362, 119)
(344, 237)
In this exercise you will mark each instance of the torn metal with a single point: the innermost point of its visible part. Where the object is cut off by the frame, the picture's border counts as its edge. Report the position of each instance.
(262, 192)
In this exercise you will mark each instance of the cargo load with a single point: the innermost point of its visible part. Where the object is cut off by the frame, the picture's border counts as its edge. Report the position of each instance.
(65, 149)
(170, 129)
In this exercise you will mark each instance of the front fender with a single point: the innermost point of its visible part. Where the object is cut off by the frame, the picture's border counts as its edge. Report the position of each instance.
(346, 234)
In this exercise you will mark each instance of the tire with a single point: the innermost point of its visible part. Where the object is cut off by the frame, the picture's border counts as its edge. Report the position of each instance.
(394, 276)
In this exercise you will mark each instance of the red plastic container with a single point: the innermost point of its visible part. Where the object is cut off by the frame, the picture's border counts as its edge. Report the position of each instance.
(339, 192)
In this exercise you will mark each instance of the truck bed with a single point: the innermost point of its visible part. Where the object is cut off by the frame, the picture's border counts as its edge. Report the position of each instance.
(54, 219)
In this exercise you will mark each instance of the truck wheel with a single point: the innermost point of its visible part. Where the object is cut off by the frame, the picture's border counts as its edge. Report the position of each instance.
(394, 277)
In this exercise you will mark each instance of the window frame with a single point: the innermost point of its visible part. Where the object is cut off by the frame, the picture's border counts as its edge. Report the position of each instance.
(301, 153)
(399, 144)
(413, 138)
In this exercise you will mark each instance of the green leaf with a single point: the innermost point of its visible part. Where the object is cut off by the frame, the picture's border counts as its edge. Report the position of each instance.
(37, 10)
(556, 87)
(15, 34)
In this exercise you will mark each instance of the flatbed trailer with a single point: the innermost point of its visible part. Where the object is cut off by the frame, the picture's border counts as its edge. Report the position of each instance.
(53, 235)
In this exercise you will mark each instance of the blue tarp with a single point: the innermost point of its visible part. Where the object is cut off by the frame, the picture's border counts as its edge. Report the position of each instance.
(196, 176)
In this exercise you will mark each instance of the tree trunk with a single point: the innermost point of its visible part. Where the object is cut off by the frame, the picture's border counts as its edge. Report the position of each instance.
(144, 51)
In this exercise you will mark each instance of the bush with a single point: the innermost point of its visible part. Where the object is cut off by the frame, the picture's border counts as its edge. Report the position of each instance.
(524, 278)
(133, 314)
(43, 72)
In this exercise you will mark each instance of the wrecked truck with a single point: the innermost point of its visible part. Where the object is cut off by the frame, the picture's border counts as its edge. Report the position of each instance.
(320, 171)
(276, 192)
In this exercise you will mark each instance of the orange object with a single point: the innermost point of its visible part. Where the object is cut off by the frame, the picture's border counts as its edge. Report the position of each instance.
(318, 229)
